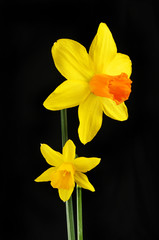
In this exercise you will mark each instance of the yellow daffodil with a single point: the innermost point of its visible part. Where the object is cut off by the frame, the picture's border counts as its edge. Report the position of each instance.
(66, 169)
(98, 81)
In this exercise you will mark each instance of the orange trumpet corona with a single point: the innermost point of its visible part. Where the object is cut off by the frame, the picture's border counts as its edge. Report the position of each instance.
(117, 87)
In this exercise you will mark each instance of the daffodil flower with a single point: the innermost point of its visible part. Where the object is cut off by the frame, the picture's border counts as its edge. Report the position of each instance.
(66, 170)
(98, 81)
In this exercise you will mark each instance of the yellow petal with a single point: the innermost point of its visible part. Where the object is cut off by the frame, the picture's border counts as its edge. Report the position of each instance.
(82, 180)
(72, 60)
(83, 164)
(90, 117)
(65, 194)
(121, 63)
(51, 156)
(112, 110)
(103, 48)
(69, 151)
(68, 94)
(45, 176)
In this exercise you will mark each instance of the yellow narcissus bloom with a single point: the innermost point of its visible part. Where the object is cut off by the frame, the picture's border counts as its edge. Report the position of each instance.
(98, 81)
(66, 170)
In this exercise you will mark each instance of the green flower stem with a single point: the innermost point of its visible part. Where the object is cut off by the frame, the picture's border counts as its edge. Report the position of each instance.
(64, 129)
(79, 213)
(70, 220)
(69, 204)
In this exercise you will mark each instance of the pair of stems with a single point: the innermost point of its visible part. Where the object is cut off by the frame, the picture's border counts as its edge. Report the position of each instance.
(69, 203)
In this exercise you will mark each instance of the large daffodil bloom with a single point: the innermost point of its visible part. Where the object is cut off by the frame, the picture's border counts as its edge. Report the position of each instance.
(98, 81)
(65, 169)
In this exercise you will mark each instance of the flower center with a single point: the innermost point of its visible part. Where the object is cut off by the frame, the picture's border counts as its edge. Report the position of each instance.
(117, 87)
(63, 177)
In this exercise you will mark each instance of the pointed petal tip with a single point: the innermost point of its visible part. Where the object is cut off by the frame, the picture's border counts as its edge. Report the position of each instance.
(42, 145)
(81, 138)
(65, 194)
(83, 141)
(54, 44)
(45, 104)
(98, 160)
(91, 188)
(37, 179)
(48, 103)
(102, 24)
(70, 141)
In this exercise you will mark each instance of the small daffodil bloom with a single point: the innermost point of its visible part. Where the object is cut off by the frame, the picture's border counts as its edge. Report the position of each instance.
(98, 81)
(66, 170)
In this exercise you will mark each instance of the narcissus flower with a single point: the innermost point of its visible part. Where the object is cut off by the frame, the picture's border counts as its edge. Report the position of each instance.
(98, 81)
(66, 170)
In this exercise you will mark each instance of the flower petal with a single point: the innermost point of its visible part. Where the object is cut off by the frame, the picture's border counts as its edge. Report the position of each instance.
(82, 180)
(103, 48)
(51, 156)
(90, 117)
(45, 176)
(112, 110)
(83, 164)
(72, 60)
(65, 194)
(69, 151)
(121, 63)
(68, 94)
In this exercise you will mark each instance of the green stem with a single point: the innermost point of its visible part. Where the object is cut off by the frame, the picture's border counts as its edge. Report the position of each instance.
(70, 220)
(64, 129)
(69, 204)
(79, 213)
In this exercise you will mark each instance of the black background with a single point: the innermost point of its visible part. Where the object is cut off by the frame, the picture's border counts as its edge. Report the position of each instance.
(125, 204)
